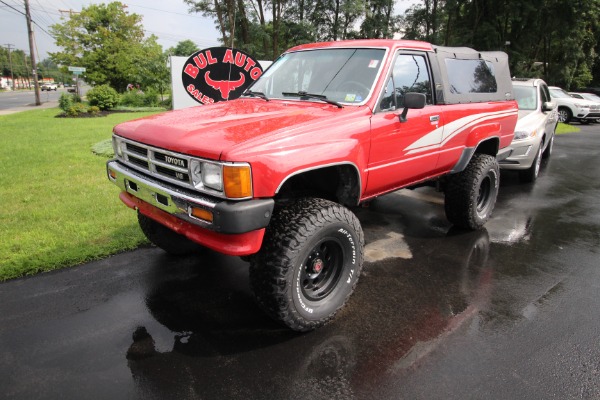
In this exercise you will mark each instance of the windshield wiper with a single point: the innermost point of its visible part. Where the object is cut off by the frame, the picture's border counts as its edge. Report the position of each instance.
(313, 96)
(255, 94)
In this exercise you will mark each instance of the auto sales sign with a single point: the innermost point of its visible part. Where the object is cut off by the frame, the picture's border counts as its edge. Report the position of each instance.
(219, 74)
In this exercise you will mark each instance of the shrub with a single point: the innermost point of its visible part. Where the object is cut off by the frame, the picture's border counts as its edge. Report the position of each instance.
(65, 101)
(132, 99)
(103, 96)
(76, 109)
(150, 98)
(93, 110)
(166, 103)
(140, 99)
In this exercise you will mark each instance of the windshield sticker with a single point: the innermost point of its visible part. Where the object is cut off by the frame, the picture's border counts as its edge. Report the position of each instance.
(373, 63)
(350, 97)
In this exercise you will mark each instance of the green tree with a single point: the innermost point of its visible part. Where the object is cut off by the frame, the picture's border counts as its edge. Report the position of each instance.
(152, 70)
(183, 48)
(557, 40)
(106, 40)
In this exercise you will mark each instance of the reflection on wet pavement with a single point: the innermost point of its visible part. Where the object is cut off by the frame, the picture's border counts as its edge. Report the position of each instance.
(406, 303)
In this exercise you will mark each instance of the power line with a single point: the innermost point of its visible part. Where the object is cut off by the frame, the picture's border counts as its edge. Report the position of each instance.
(25, 15)
(8, 5)
(165, 11)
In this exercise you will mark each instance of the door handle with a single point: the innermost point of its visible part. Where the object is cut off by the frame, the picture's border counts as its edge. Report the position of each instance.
(434, 118)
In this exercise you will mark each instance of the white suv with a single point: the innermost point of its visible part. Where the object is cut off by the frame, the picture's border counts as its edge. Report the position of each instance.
(49, 86)
(570, 108)
(534, 133)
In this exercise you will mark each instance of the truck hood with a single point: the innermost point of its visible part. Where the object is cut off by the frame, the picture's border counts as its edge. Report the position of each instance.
(209, 131)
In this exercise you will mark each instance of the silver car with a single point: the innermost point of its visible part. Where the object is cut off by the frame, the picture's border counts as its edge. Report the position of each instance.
(534, 133)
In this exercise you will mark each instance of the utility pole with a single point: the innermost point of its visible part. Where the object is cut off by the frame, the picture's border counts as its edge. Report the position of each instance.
(12, 78)
(38, 102)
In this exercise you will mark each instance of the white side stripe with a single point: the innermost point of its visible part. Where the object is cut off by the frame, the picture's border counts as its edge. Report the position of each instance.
(450, 130)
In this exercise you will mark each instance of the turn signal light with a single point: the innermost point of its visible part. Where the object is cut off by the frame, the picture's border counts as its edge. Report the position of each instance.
(112, 174)
(202, 214)
(237, 181)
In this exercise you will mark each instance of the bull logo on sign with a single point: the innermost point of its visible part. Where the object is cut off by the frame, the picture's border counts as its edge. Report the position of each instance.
(219, 74)
(224, 86)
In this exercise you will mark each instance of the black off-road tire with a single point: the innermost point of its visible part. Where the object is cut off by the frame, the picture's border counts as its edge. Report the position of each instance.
(309, 264)
(470, 195)
(168, 240)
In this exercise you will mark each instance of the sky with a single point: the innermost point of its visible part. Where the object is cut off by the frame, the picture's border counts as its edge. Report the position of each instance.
(169, 20)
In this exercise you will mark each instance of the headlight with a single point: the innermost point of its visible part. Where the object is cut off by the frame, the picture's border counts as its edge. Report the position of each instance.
(117, 147)
(212, 176)
(206, 174)
(520, 135)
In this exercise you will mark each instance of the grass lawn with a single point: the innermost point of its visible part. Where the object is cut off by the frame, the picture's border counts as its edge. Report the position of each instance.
(566, 128)
(58, 207)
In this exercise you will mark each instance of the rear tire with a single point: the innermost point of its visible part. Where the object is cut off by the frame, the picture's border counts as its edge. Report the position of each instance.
(168, 240)
(548, 152)
(530, 175)
(470, 195)
(309, 264)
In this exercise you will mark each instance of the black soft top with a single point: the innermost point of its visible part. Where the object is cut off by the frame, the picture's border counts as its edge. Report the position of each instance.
(447, 94)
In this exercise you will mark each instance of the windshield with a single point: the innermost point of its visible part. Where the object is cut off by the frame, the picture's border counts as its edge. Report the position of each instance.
(343, 75)
(591, 97)
(526, 97)
(559, 94)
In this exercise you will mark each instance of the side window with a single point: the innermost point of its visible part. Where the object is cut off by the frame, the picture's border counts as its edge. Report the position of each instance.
(545, 94)
(471, 76)
(411, 75)
(388, 101)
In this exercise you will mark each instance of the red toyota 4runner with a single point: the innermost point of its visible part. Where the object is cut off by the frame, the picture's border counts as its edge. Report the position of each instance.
(328, 126)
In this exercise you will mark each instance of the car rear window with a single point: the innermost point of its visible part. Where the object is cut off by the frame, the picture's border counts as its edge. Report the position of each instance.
(471, 76)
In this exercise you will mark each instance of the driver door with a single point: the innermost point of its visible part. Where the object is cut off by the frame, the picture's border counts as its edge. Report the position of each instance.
(404, 152)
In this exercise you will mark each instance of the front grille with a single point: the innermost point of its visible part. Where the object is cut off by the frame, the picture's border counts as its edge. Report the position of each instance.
(137, 149)
(163, 164)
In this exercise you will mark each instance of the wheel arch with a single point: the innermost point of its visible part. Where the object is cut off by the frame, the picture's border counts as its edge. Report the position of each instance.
(488, 146)
(339, 182)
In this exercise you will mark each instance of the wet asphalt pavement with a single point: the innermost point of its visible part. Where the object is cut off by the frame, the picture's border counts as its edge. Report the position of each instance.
(509, 312)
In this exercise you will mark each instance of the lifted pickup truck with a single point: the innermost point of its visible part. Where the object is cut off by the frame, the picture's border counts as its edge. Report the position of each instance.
(272, 175)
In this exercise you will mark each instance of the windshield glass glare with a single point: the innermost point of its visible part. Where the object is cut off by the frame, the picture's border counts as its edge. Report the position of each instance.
(525, 96)
(343, 75)
(559, 94)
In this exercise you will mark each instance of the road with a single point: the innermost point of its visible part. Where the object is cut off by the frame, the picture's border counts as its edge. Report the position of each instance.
(508, 312)
(21, 98)
(24, 98)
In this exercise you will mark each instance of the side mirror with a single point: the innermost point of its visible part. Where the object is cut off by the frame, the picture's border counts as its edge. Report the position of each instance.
(548, 106)
(412, 100)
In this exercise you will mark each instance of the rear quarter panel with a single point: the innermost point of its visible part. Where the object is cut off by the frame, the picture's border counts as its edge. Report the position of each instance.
(467, 125)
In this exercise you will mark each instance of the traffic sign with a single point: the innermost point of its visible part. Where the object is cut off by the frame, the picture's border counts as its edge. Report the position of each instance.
(77, 69)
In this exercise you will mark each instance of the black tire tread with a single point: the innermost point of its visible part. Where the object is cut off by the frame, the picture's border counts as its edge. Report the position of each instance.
(291, 226)
(460, 192)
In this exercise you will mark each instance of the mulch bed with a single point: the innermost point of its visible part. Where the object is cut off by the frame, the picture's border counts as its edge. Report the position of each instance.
(88, 115)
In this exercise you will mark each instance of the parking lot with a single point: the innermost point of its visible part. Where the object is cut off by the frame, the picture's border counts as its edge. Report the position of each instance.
(506, 312)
